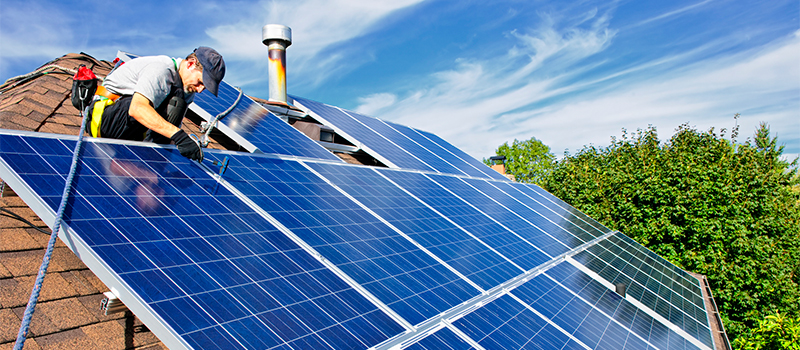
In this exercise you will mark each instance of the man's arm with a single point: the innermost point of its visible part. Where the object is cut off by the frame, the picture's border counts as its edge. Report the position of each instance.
(142, 110)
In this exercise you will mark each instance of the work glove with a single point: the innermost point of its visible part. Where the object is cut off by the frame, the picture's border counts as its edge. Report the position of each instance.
(189, 148)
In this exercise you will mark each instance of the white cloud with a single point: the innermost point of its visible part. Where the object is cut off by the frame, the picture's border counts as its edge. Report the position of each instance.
(528, 99)
(30, 29)
(372, 104)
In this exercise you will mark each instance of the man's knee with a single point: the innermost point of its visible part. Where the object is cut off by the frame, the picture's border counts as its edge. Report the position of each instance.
(172, 110)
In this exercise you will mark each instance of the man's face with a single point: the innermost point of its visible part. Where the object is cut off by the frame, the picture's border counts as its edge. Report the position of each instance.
(192, 78)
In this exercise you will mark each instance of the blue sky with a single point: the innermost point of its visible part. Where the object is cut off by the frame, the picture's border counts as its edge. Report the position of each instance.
(478, 73)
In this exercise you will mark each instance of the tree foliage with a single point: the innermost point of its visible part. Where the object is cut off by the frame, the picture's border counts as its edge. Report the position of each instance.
(529, 161)
(775, 331)
(729, 211)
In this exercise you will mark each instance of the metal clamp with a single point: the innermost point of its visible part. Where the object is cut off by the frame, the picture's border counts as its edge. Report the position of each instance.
(111, 304)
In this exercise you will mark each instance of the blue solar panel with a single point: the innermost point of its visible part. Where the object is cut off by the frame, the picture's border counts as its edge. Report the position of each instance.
(397, 144)
(692, 289)
(463, 165)
(637, 321)
(443, 339)
(646, 287)
(193, 257)
(506, 323)
(475, 260)
(396, 271)
(410, 146)
(564, 308)
(359, 134)
(514, 221)
(562, 207)
(462, 155)
(565, 219)
(251, 123)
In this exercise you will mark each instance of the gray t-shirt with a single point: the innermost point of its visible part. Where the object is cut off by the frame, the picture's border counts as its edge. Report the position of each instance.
(152, 76)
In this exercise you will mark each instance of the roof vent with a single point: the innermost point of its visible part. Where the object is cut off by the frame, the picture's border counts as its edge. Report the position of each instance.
(277, 37)
(620, 289)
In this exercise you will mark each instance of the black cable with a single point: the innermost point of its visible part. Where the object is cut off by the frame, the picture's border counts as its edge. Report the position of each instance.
(13, 215)
(16, 81)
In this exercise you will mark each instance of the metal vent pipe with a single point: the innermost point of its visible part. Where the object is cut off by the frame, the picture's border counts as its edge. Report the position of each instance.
(277, 37)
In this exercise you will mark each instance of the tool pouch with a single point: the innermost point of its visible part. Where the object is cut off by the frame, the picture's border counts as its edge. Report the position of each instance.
(84, 85)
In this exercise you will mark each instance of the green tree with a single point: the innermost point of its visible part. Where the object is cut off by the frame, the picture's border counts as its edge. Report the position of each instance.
(729, 211)
(529, 161)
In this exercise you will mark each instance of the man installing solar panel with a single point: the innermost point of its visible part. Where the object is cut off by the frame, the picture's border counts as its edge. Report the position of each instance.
(145, 99)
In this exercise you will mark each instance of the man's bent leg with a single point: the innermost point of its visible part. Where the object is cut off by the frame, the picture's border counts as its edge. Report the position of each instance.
(172, 110)
(118, 124)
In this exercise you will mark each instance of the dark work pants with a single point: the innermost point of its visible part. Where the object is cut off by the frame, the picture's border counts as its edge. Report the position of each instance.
(118, 124)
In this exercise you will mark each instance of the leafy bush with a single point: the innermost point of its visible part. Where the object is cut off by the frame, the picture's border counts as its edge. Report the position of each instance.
(775, 331)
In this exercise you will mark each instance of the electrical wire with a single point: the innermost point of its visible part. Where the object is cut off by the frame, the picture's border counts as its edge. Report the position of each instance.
(10, 214)
(213, 123)
(16, 81)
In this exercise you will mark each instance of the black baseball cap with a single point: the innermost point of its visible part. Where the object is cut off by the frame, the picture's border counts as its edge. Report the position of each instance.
(213, 67)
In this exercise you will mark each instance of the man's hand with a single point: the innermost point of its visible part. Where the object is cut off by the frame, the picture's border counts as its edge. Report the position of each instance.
(188, 147)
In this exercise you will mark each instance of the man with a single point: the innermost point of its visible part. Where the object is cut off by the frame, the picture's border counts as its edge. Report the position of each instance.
(146, 98)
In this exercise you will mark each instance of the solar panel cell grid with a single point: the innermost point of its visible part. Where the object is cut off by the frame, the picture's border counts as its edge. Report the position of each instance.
(506, 324)
(516, 223)
(438, 150)
(454, 246)
(391, 135)
(503, 241)
(489, 172)
(443, 339)
(608, 302)
(566, 234)
(608, 266)
(589, 222)
(569, 221)
(691, 284)
(664, 284)
(402, 146)
(234, 264)
(564, 319)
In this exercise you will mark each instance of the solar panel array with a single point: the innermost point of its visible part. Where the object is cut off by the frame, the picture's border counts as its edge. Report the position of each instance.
(295, 252)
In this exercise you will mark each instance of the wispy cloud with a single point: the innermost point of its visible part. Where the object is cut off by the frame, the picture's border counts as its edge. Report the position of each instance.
(28, 30)
(531, 98)
(370, 104)
(672, 13)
